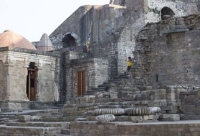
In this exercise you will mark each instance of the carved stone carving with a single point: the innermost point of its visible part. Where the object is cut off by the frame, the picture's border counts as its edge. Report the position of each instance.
(105, 118)
(114, 111)
(140, 111)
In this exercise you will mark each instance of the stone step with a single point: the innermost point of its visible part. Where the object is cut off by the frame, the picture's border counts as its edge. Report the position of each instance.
(65, 131)
(169, 117)
(27, 131)
(114, 80)
(101, 86)
(149, 118)
(40, 124)
(4, 117)
(100, 89)
(123, 76)
(29, 112)
(61, 135)
(106, 83)
(67, 119)
(91, 92)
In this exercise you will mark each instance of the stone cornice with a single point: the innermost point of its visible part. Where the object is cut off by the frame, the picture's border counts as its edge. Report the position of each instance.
(15, 49)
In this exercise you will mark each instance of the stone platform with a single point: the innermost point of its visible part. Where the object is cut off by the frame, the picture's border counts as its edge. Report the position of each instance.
(178, 128)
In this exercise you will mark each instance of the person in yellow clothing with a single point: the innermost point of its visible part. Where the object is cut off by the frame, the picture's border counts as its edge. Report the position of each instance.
(129, 63)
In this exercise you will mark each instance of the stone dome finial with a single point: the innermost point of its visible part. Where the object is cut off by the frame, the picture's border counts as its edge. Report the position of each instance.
(45, 43)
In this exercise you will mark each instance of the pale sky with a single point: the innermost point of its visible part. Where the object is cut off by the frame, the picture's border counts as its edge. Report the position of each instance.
(32, 18)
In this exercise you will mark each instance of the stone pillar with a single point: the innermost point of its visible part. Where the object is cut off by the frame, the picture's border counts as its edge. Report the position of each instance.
(7, 65)
(39, 66)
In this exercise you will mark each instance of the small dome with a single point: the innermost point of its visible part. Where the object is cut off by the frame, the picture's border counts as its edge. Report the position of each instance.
(10, 39)
(45, 43)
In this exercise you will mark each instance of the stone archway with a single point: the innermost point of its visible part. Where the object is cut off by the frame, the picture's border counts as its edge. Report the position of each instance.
(166, 12)
(70, 40)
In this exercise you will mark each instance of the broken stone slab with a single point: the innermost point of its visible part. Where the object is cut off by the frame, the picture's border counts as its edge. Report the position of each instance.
(80, 119)
(89, 113)
(65, 132)
(105, 118)
(136, 119)
(36, 118)
(151, 117)
(169, 109)
(24, 118)
(169, 117)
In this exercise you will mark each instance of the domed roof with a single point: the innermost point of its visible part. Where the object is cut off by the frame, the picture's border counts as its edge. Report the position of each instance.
(45, 43)
(10, 39)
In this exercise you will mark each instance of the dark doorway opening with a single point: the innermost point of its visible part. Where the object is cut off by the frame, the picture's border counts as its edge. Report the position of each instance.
(31, 82)
(69, 41)
(166, 12)
(122, 3)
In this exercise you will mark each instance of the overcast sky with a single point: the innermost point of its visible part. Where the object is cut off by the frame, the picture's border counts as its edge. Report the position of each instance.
(32, 18)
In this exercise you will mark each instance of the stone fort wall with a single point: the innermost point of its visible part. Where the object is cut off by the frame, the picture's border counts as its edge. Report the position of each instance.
(167, 52)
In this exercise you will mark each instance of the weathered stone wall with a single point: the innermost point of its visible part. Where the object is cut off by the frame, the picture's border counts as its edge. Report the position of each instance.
(17, 73)
(16, 63)
(95, 70)
(143, 13)
(112, 30)
(139, 129)
(168, 52)
(100, 71)
(103, 26)
(179, 7)
(47, 88)
(3, 79)
(190, 104)
(71, 25)
(134, 15)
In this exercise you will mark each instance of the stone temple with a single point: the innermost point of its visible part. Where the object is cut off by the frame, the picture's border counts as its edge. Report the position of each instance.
(74, 81)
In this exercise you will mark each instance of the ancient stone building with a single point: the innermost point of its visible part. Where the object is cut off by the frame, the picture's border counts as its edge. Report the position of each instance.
(26, 74)
(96, 40)
(90, 48)
(85, 72)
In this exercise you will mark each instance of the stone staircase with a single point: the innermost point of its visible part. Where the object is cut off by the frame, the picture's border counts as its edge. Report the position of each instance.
(34, 123)
(121, 79)
(56, 122)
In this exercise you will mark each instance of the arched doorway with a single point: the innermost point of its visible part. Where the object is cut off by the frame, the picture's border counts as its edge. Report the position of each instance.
(166, 12)
(69, 41)
(31, 82)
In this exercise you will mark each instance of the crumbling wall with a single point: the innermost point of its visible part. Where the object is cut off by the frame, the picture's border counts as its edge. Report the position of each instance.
(179, 7)
(101, 26)
(167, 52)
(135, 21)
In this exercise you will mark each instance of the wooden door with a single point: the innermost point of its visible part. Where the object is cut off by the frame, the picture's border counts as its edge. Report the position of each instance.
(31, 84)
(81, 85)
